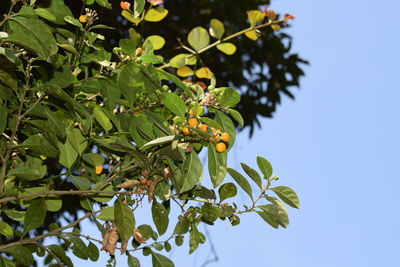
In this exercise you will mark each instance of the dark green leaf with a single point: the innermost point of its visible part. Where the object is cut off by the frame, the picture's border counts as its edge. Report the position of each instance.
(127, 46)
(35, 214)
(39, 144)
(195, 239)
(3, 118)
(229, 98)
(93, 252)
(26, 173)
(269, 218)
(179, 240)
(210, 213)
(216, 165)
(124, 220)
(265, 167)
(175, 104)
(226, 191)
(252, 174)
(160, 217)
(57, 9)
(77, 140)
(160, 260)
(182, 227)
(79, 248)
(20, 254)
(244, 184)
(287, 195)
(81, 182)
(60, 253)
(236, 116)
(192, 171)
(211, 123)
(169, 77)
(133, 261)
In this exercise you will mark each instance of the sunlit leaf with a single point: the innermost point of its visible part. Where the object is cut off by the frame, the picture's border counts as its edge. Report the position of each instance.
(156, 40)
(185, 71)
(287, 195)
(205, 73)
(253, 35)
(198, 38)
(227, 48)
(217, 28)
(255, 17)
(155, 14)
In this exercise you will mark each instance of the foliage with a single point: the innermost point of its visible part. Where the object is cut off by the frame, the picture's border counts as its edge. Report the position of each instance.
(103, 131)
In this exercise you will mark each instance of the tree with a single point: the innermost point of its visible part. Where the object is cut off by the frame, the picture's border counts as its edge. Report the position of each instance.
(86, 129)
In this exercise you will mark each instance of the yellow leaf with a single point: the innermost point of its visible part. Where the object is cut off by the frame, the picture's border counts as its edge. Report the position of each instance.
(253, 35)
(217, 28)
(255, 17)
(156, 41)
(129, 16)
(276, 27)
(181, 60)
(185, 71)
(155, 14)
(227, 48)
(204, 72)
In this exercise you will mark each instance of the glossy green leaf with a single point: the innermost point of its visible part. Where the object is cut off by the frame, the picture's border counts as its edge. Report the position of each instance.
(227, 48)
(124, 220)
(35, 214)
(287, 195)
(198, 38)
(107, 214)
(20, 254)
(192, 172)
(217, 28)
(229, 97)
(74, 21)
(255, 17)
(253, 174)
(160, 141)
(155, 14)
(174, 103)
(104, 3)
(226, 191)
(156, 41)
(159, 260)
(216, 165)
(6, 229)
(81, 182)
(102, 119)
(240, 180)
(265, 167)
(68, 154)
(236, 116)
(160, 217)
(133, 261)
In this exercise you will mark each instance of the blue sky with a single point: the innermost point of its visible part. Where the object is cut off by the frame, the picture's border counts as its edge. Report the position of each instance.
(337, 145)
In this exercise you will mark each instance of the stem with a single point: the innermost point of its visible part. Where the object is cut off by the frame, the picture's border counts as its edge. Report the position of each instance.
(52, 233)
(7, 16)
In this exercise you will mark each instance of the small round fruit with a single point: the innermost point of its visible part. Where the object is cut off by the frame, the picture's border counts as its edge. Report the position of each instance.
(193, 122)
(186, 131)
(83, 18)
(99, 169)
(221, 147)
(125, 5)
(203, 128)
(165, 88)
(191, 112)
(225, 137)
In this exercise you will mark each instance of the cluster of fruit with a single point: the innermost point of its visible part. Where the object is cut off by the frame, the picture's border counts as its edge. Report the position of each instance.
(218, 137)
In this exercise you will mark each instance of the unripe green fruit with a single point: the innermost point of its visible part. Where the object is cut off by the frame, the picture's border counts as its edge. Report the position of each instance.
(165, 88)
(211, 88)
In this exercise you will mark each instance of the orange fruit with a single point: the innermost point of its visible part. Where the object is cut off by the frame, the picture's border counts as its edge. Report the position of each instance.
(221, 147)
(191, 113)
(125, 5)
(203, 128)
(99, 169)
(186, 131)
(83, 18)
(225, 137)
(193, 122)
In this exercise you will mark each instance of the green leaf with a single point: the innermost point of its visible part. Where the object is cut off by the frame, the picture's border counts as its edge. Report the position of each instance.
(15, 215)
(26, 173)
(169, 77)
(192, 171)
(133, 261)
(79, 248)
(226, 191)
(182, 227)
(265, 167)
(44, 13)
(236, 116)
(252, 174)
(104, 3)
(227, 48)
(278, 210)
(107, 214)
(244, 184)
(20, 254)
(160, 141)
(93, 252)
(210, 212)
(217, 28)
(230, 97)
(3, 119)
(93, 159)
(81, 182)
(287, 195)
(255, 17)
(5, 229)
(60, 253)
(211, 123)
(127, 46)
(174, 103)
(179, 240)
(156, 41)
(151, 59)
(269, 218)
(77, 140)
(102, 119)
(74, 21)
(160, 217)
(227, 126)
(124, 220)
(195, 239)
(181, 60)
(4, 262)
(53, 203)
(138, 7)
(198, 38)
(216, 165)
(160, 260)
(156, 14)
(54, 11)
(39, 144)
(35, 215)
(58, 124)
(68, 154)
(33, 34)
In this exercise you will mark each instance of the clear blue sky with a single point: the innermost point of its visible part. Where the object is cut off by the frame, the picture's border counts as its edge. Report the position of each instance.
(337, 145)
